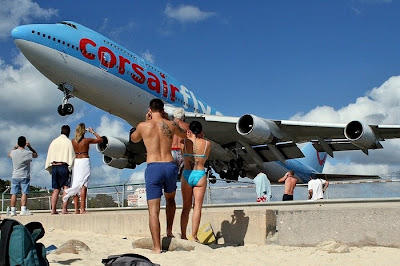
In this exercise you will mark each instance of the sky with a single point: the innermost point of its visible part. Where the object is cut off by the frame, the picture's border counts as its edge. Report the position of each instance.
(320, 61)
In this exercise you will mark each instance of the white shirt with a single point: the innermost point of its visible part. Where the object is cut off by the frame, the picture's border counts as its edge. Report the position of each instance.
(316, 186)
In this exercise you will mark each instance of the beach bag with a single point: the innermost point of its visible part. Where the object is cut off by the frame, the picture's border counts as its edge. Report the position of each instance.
(18, 244)
(127, 260)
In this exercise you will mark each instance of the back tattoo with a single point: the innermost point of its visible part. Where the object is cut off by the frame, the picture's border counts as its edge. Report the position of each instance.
(165, 129)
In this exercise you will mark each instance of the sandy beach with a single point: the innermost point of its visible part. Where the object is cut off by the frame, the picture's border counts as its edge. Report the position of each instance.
(326, 253)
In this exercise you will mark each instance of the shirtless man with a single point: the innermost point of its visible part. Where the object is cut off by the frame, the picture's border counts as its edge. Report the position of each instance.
(290, 184)
(161, 172)
(179, 116)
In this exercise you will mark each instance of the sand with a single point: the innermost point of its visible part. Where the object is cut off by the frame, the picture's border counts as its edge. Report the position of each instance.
(326, 253)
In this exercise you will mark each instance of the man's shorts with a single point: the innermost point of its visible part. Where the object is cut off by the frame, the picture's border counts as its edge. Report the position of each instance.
(178, 160)
(159, 176)
(60, 176)
(20, 183)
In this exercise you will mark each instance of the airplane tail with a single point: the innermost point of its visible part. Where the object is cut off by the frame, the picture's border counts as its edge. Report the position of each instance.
(312, 158)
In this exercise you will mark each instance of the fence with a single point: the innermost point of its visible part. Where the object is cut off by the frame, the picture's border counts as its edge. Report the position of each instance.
(131, 195)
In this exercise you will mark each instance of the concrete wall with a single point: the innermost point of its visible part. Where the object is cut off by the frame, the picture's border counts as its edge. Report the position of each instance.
(299, 223)
(355, 224)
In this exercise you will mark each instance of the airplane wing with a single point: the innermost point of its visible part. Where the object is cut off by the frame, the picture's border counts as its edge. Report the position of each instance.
(275, 140)
(341, 178)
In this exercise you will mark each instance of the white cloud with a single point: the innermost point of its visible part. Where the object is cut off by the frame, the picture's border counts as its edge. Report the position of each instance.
(23, 88)
(148, 56)
(137, 176)
(357, 168)
(16, 12)
(187, 13)
(112, 127)
(381, 106)
(105, 174)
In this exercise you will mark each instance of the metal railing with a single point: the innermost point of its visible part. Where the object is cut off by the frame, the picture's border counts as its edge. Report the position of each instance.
(131, 195)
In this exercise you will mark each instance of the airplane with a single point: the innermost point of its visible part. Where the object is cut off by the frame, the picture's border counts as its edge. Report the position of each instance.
(87, 65)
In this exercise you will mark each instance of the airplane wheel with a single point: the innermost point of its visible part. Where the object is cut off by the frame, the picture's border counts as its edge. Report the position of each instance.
(212, 179)
(235, 175)
(242, 173)
(232, 175)
(68, 108)
(222, 175)
(61, 111)
(232, 164)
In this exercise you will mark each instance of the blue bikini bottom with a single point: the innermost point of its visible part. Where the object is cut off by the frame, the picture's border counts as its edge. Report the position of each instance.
(192, 177)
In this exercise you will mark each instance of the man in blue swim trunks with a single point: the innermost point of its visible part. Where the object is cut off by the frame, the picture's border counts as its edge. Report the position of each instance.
(157, 134)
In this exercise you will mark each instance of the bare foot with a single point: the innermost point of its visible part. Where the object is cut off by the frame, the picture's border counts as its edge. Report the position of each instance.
(195, 239)
(77, 212)
(170, 235)
(156, 251)
(54, 212)
(65, 212)
(84, 212)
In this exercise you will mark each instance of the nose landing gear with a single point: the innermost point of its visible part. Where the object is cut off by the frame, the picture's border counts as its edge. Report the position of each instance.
(65, 108)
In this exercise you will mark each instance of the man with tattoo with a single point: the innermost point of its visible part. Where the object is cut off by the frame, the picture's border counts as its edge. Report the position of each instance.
(157, 134)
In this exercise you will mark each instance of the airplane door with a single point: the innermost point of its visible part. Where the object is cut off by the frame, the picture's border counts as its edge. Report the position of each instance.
(106, 58)
(141, 63)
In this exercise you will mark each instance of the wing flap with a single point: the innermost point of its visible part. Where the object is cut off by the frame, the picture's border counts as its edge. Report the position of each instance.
(288, 150)
(341, 177)
(386, 131)
(343, 145)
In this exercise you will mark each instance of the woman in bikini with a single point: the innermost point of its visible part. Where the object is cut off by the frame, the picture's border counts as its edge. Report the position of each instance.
(81, 169)
(194, 181)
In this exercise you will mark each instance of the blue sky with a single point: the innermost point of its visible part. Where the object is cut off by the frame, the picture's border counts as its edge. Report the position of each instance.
(323, 61)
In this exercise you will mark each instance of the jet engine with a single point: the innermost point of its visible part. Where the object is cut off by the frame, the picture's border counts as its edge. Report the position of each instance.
(257, 130)
(112, 147)
(360, 135)
(120, 153)
(119, 163)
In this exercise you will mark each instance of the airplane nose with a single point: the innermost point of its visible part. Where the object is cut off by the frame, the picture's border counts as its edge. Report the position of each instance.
(19, 32)
(15, 33)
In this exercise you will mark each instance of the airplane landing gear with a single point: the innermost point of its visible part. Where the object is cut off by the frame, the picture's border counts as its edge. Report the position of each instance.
(65, 108)
(211, 178)
(235, 169)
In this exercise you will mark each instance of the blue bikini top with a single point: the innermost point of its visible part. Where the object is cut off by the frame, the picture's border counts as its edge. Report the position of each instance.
(195, 155)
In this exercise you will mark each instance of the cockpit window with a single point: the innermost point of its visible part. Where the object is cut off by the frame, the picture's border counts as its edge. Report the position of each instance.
(69, 24)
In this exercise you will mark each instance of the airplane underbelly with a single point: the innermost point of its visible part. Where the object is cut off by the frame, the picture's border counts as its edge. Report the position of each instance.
(91, 84)
(274, 171)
